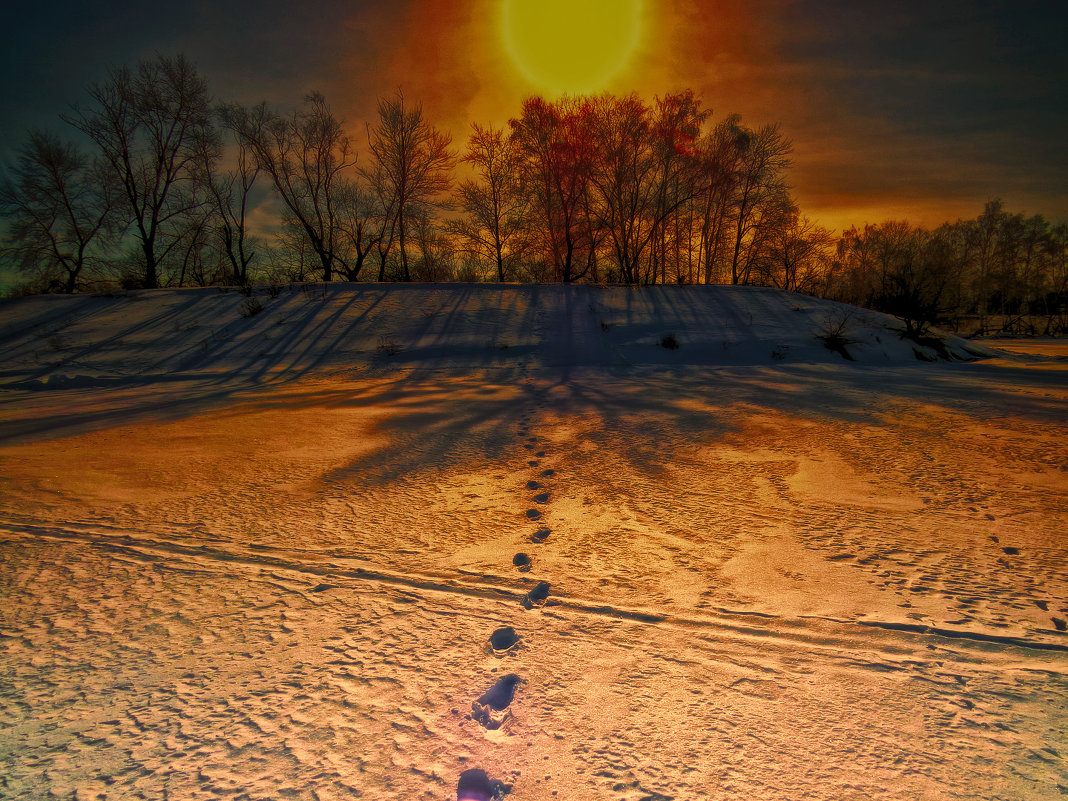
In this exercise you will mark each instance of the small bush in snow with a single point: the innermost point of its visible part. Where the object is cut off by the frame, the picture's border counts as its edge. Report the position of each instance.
(387, 346)
(834, 331)
(251, 307)
(668, 341)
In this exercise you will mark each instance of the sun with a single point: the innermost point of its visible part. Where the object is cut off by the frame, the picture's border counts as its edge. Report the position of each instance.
(570, 46)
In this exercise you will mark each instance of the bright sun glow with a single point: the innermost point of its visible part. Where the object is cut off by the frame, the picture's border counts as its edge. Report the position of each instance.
(573, 46)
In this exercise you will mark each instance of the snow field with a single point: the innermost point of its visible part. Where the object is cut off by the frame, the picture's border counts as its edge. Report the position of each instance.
(807, 579)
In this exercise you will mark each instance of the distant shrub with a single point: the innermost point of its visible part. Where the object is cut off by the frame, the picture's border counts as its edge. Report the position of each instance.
(387, 346)
(668, 341)
(251, 307)
(834, 332)
(929, 340)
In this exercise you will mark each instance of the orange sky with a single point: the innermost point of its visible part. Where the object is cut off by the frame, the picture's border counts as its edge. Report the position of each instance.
(851, 164)
(922, 111)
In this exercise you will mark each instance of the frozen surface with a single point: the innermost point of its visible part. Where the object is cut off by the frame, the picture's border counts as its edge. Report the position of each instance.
(262, 557)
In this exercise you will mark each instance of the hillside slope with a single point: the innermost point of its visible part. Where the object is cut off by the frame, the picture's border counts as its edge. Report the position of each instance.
(62, 340)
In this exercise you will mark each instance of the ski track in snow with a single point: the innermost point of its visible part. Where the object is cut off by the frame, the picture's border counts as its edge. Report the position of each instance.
(770, 582)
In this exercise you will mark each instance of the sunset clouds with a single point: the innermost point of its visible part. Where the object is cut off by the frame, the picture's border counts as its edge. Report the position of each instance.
(912, 110)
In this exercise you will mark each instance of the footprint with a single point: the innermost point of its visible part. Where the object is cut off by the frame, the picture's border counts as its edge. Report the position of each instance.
(537, 596)
(1059, 624)
(522, 561)
(1042, 605)
(540, 454)
(533, 514)
(533, 485)
(547, 473)
(542, 498)
(503, 640)
(476, 785)
(491, 709)
(322, 587)
(1010, 550)
(540, 535)
(533, 463)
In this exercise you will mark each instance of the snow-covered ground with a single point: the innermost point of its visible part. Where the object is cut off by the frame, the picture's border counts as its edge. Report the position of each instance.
(262, 557)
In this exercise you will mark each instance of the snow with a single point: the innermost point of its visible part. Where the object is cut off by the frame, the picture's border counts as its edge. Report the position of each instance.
(262, 557)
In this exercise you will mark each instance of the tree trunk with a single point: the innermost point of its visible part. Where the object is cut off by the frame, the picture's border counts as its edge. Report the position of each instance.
(151, 280)
(402, 241)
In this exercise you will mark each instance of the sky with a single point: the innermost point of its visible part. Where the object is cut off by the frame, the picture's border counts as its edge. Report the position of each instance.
(910, 110)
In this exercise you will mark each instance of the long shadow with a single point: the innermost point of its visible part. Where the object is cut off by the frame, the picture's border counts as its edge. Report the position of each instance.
(74, 309)
(434, 408)
(163, 399)
(439, 418)
(308, 340)
(692, 404)
(158, 321)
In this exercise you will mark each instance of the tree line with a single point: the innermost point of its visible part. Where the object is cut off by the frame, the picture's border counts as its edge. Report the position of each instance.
(999, 273)
(169, 189)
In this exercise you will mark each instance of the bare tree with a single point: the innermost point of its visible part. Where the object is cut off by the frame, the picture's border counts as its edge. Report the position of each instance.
(230, 191)
(677, 122)
(360, 221)
(61, 211)
(307, 155)
(385, 201)
(899, 269)
(760, 198)
(412, 166)
(914, 286)
(798, 254)
(718, 155)
(495, 205)
(435, 259)
(645, 169)
(195, 261)
(556, 145)
(149, 125)
(984, 247)
(290, 254)
(1054, 304)
(624, 177)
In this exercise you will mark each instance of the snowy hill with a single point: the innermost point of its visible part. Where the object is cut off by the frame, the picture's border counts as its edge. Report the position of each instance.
(87, 340)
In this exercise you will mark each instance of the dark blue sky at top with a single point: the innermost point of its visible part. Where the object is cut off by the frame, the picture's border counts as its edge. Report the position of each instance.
(952, 102)
(978, 87)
